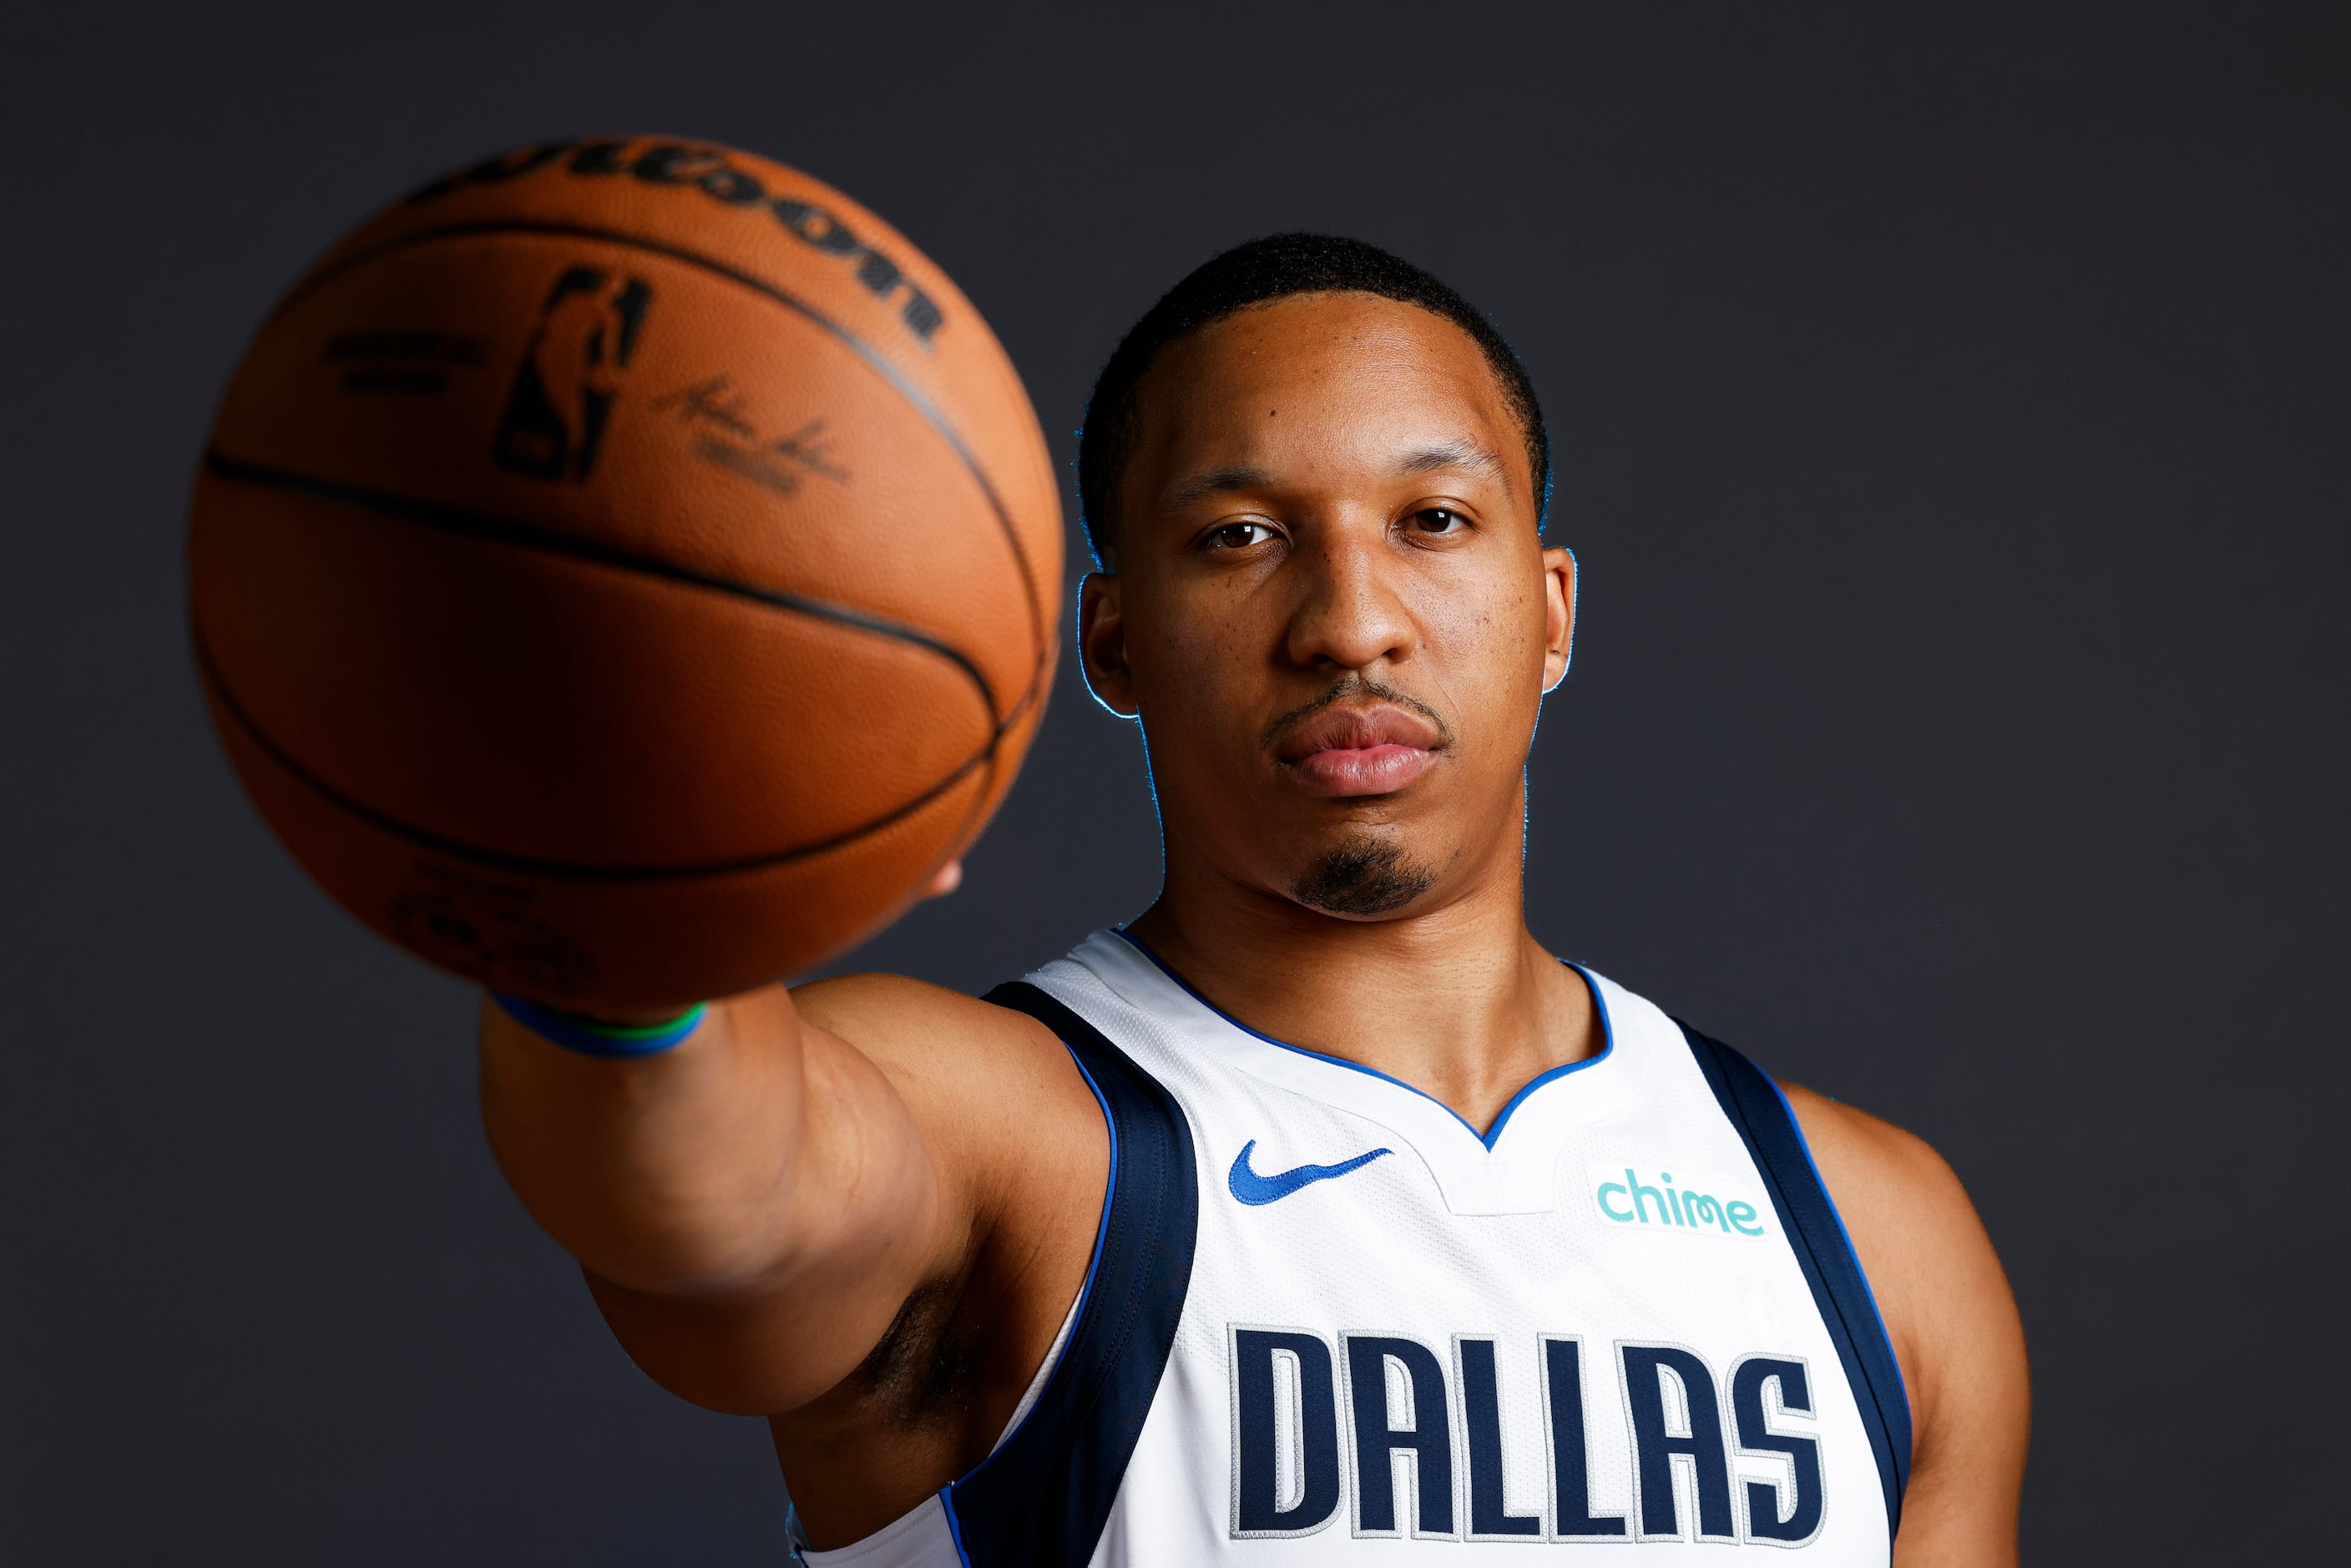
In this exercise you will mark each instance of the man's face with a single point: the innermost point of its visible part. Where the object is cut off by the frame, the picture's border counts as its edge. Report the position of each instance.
(1331, 609)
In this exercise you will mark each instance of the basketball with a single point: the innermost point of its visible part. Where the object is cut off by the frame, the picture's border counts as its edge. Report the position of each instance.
(623, 571)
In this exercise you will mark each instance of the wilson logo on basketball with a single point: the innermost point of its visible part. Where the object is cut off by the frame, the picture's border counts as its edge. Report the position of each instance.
(570, 368)
(709, 170)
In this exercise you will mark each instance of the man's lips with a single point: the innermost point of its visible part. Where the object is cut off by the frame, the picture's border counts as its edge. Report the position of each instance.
(1370, 750)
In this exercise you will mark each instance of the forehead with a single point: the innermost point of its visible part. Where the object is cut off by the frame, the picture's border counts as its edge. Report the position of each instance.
(1316, 380)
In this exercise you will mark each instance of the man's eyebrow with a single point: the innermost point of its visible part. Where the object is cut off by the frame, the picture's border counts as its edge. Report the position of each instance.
(1215, 481)
(1452, 455)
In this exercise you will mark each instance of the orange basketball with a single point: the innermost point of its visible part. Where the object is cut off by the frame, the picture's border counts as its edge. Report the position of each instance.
(624, 570)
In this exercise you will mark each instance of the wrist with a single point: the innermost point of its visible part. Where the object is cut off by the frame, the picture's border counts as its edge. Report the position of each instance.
(606, 1038)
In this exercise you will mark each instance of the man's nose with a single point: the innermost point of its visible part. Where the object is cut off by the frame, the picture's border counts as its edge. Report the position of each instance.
(1351, 614)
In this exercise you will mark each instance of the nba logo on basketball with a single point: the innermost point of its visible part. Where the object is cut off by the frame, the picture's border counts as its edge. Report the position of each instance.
(563, 390)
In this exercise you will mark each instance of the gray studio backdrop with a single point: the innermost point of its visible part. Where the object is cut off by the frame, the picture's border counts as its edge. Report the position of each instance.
(1951, 421)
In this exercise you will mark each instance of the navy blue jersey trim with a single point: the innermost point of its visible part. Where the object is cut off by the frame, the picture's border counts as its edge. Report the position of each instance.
(1042, 1498)
(1817, 1234)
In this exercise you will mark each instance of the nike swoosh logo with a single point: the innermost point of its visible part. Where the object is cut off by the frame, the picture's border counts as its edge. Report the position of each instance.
(1254, 1189)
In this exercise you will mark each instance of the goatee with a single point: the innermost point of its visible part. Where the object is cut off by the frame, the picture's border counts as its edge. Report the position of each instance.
(1364, 876)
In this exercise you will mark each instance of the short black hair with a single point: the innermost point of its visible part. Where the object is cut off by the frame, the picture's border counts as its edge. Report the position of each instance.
(1253, 273)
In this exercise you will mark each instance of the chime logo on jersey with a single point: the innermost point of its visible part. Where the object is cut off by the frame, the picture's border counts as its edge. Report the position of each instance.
(1419, 1437)
(1631, 1196)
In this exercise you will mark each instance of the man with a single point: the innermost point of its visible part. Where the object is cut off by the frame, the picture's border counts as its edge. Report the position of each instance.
(1320, 1215)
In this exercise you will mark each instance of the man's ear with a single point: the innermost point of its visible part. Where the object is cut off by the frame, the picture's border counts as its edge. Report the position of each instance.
(1102, 643)
(1559, 614)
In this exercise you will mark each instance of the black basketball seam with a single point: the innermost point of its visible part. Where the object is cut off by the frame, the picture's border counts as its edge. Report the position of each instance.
(882, 366)
(495, 529)
(576, 871)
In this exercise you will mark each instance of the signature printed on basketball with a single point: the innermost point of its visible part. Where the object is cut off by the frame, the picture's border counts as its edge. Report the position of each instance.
(720, 414)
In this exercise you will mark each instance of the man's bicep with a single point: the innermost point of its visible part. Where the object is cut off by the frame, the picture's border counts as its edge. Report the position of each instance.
(939, 1126)
(874, 1213)
(1953, 1323)
(1969, 1469)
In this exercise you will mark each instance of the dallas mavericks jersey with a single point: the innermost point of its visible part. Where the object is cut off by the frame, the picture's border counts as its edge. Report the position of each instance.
(1328, 1322)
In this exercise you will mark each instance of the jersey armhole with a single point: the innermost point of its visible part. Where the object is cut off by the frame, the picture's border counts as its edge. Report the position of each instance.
(1817, 1234)
(1042, 1498)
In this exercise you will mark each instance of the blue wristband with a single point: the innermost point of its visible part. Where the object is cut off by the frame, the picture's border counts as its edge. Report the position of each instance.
(590, 1038)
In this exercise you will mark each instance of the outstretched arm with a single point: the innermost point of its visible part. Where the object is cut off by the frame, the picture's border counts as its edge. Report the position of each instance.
(755, 1205)
(1955, 1330)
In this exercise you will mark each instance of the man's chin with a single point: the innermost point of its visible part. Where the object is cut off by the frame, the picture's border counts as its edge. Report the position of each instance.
(1362, 877)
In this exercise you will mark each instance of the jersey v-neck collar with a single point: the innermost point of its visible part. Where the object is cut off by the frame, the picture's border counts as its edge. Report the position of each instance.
(1507, 1169)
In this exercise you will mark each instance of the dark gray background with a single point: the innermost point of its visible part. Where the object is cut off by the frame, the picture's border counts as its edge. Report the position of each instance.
(1951, 418)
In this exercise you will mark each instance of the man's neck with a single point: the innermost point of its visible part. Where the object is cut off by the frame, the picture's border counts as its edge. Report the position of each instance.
(1461, 1002)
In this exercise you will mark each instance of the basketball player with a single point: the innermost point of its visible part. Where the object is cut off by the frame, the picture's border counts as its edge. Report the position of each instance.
(1320, 1215)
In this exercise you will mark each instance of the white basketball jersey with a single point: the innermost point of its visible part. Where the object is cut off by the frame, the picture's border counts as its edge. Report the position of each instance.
(1328, 1322)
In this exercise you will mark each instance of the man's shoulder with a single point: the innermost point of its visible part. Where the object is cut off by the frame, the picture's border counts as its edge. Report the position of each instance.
(905, 1025)
(1930, 1265)
(1908, 1215)
(1872, 1154)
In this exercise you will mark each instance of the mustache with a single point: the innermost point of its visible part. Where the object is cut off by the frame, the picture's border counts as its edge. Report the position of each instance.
(1357, 688)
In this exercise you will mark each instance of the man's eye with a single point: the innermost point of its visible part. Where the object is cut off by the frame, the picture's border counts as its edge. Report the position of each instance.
(1239, 536)
(1438, 520)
